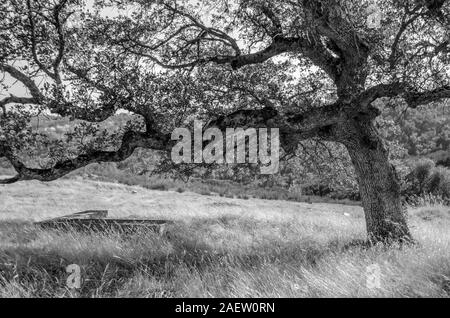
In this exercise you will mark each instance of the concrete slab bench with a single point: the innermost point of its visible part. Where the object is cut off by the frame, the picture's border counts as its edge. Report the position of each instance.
(98, 221)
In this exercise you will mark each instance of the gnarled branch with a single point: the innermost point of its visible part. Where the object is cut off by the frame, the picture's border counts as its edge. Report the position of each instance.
(412, 97)
(130, 141)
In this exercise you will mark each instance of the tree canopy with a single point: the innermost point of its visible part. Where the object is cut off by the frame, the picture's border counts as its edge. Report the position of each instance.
(168, 61)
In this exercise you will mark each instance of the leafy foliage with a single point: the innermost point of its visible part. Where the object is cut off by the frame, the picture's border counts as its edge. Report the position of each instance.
(426, 178)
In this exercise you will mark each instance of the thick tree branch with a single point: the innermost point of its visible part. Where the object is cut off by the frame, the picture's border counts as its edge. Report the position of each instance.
(10, 180)
(412, 97)
(16, 100)
(26, 81)
(329, 20)
(415, 99)
(316, 52)
(313, 123)
(130, 142)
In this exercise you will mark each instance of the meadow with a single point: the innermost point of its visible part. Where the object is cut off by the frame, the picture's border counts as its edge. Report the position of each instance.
(217, 247)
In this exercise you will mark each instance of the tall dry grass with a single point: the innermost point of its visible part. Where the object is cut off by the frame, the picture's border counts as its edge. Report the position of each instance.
(300, 255)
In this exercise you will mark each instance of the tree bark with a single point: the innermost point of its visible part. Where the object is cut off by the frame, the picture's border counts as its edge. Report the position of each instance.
(378, 182)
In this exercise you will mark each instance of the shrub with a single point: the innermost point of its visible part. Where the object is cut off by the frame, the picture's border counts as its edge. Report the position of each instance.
(427, 179)
(419, 175)
(318, 189)
(157, 186)
(438, 182)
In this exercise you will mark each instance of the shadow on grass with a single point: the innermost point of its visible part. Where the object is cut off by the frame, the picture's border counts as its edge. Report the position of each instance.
(43, 266)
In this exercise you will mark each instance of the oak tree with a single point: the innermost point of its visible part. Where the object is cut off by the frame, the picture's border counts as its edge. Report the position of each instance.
(314, 69)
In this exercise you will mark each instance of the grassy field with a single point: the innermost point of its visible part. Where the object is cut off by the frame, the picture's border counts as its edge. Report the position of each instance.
(218, 247)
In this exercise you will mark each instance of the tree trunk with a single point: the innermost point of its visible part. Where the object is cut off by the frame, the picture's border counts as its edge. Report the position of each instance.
(378, 182)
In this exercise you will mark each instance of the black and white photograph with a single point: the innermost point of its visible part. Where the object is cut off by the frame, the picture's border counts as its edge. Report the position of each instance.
(246, 151)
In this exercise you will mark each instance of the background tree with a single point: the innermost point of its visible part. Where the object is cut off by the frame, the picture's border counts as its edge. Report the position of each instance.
(313, 69)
